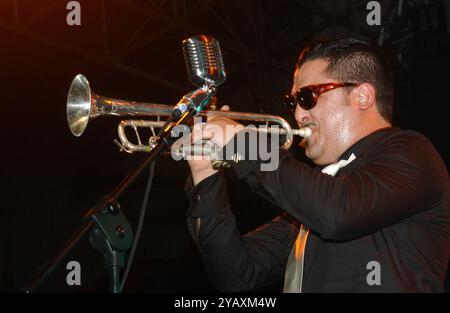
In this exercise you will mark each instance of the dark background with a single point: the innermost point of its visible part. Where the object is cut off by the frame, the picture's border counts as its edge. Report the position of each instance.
(131, 49)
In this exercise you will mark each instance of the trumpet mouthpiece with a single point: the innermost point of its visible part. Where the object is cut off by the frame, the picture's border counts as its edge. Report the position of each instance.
(304, 132)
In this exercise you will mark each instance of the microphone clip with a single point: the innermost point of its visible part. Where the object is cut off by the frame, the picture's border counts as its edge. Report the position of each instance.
(195, 101)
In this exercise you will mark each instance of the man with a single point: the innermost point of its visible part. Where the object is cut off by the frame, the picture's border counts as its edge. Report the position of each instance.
(373, 216)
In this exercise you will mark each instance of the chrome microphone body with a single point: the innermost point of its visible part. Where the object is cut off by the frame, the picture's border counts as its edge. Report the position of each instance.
(203, 60)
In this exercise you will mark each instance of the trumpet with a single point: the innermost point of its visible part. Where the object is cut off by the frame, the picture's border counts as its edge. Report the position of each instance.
(83, 104)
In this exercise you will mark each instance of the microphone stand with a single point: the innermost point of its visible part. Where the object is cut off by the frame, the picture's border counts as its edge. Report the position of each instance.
(111, 231)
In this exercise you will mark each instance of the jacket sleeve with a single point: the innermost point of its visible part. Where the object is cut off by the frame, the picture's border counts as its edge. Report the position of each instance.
(235, 262)
(402, 177)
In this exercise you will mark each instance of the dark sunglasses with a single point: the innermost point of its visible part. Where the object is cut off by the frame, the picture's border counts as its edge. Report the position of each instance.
(306, 97)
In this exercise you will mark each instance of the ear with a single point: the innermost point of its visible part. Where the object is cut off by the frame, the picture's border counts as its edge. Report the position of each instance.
(363, 96)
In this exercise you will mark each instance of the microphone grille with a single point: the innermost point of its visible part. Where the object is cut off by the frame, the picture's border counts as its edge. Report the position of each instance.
(203, 59)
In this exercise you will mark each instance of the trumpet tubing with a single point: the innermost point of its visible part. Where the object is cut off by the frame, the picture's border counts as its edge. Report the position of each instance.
(84, 104)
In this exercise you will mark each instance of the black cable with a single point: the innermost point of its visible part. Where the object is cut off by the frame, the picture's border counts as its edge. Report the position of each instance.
(140, 225)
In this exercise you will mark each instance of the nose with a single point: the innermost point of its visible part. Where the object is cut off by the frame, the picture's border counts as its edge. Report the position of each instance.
(301, 115)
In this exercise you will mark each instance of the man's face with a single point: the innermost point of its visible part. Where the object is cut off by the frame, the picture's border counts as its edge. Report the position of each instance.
(331, 120)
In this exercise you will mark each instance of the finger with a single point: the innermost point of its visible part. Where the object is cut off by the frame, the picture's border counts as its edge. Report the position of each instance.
(209, 131)
(217, 117)
(199, 134)
(197, 126)
(222, 108)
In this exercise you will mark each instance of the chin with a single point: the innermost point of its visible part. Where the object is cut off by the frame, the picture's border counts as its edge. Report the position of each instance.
(315, 160)
(315, 156)
(320, 162)
(312, 156)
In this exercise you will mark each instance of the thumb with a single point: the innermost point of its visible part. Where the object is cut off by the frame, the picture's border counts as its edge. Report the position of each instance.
(225, 108)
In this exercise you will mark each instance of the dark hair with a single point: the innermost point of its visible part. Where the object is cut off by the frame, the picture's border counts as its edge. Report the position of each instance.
(353, 60)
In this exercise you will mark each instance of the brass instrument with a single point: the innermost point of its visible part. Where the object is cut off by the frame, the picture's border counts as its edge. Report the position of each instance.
(84, 104)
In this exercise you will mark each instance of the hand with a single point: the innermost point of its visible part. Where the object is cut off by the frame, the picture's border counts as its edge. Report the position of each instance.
(217, 129)
(220, 130)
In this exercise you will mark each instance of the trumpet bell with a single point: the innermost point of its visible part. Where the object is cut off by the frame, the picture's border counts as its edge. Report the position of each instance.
(78, 105)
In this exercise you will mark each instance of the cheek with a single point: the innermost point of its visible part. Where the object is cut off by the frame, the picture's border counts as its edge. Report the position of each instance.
(331, 123)
(325, 115)
(338, 128)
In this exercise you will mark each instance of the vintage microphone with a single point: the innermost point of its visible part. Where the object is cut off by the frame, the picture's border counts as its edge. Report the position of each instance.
(204, 62)
(111, 231)
(205, 69)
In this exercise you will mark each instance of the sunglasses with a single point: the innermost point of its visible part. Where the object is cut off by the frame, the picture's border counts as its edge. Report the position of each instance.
(306, 97)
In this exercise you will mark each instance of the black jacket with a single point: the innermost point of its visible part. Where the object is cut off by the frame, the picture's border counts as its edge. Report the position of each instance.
(390, 205)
